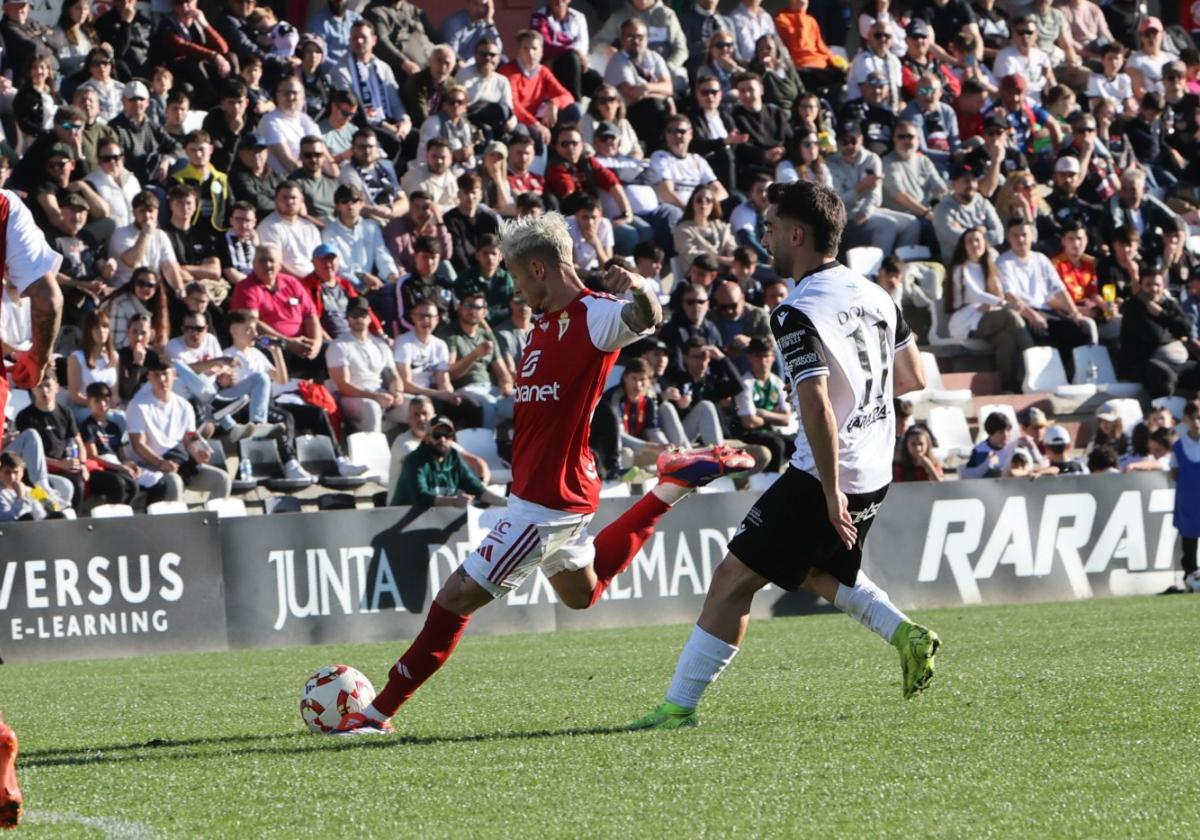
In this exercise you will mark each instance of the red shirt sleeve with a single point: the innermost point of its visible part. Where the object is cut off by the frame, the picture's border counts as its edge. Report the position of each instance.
(558, 181)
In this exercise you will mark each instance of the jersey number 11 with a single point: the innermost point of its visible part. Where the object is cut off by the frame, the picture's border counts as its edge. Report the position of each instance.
(870, 374)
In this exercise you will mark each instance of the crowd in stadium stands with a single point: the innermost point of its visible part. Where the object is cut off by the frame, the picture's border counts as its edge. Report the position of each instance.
(277, 226)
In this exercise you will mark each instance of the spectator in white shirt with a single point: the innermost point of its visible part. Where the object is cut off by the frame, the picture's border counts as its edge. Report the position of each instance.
(423, 360)
(592, 235)
(286, 227)
(284, 127)
(115, 184)
(369, 388)
(1023, 58)
(358, 241)
(750, 22)
(141, 244)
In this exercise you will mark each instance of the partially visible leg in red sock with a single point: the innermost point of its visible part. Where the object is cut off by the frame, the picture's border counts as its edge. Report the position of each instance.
(428, 652)
(618, 543)
(10, 791)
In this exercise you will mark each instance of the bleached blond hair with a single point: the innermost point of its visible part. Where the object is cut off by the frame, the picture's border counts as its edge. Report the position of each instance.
(544, 236)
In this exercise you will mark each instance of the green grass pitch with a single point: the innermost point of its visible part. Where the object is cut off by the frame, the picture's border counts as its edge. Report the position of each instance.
(1053, 720)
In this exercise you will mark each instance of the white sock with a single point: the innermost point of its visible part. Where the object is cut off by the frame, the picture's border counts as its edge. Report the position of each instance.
(870, 606)
(670, 492)
(374, 714)
(703, 659)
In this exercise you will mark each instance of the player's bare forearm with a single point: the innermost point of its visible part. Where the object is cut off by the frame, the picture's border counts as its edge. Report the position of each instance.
(45, 306)
(644, 312)
(820, 427)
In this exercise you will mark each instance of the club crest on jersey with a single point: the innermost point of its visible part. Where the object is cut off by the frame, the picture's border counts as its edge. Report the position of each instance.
(563, 323)
(544, 325)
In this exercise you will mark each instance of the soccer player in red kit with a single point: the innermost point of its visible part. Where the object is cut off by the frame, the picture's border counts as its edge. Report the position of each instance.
(32, 266)
(570, 351)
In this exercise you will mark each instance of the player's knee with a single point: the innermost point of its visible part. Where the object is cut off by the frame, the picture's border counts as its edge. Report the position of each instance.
(461, 594)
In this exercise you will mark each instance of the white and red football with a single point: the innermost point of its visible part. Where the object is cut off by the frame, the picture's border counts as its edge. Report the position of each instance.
(333, 691)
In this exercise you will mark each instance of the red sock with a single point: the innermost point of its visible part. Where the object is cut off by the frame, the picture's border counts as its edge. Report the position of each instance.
(424, 656)
(618, 543)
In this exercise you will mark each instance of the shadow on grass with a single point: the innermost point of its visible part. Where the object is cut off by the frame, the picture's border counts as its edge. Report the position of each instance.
(285, 743)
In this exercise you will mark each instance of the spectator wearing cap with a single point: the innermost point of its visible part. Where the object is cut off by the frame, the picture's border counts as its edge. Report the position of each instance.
(638, 179)
(1147, 62)
(1035, 130)
(489, 94)
(129, 32)
(332, 293)
(358, 242)
(877, 57)
(24, 39)
(284, 307)
(333, 24)
(1031, 437)
(434, 474)
(1132, 205)
(997, 158)
(316, 185)
(1066, 207)
(1033, 285)
(1058, 442)
(873, 112)
(149, 150)
(919, 60)
(369, 389)
(1025, 59)
(101, 79)
(287, 228)
(162, 434)
(935, 121)
(964, 208)
(858, 178)
(1156, 337)
(59, 182)
(193, 50)
(911, 182)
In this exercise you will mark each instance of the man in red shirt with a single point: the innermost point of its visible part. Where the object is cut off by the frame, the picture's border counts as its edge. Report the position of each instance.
(570, 351)
(539, 99)
(285, 308)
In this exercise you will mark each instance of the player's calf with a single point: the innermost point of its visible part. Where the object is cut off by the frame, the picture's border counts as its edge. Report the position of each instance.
(10, 791)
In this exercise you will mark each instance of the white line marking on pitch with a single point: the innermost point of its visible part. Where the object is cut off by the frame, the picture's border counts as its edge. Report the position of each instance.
(113, 828)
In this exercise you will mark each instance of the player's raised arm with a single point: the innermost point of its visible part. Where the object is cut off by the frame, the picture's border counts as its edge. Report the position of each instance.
(644, 311)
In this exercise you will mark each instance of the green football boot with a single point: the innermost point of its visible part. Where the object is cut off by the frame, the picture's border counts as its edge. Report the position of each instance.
(667, 716)
(918, 646)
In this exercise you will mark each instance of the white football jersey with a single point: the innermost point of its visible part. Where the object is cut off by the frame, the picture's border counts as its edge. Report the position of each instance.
(838, 324)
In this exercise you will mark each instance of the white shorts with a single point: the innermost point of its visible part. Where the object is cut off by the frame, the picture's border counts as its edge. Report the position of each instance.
(527, 537)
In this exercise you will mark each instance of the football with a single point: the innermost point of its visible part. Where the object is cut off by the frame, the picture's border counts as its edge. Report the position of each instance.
(1192, 581)
(331, 692)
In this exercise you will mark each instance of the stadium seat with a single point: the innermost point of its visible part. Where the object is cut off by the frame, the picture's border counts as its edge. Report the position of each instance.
(1044, 370)
(614, 377)
(336, 501)
(281, 504)
(615, 490)
(239, 485)
(1174, 404)
(986, 410)
(929, 276)
(948, 425)
(482, 443)
(227, 508)
(934, 390)
(724, 484)
(759, 482)
(18, 401)
(266, 467)
(1106, 377)
(913, 253)
(110, 511)
(865, 259)
(316, 454)
(1130, 412)
(371, 448)
(161, 508)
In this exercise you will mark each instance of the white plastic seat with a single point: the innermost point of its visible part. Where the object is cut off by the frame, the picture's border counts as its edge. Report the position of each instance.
(161, 508)
(913, 253)
(1130, 412)
(721, 485)
(934, 390)
(1086, 356)
(18, 401)
(948, 425)
(482, 443)
(864, 259)
(371, 449)
(1043, 370)
(614, 377)
(615, 490)
(1174, 404)
(986, 410)
(226, 508)
(110, 511)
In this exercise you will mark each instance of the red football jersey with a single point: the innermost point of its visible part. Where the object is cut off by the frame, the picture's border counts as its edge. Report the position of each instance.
(567, 359)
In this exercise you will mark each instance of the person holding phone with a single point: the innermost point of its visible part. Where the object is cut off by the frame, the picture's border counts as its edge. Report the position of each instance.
(858, 178)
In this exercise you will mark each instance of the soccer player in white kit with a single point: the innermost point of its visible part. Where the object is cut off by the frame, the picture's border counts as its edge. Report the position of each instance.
(567, 357)
(32, 266)
(846, 349)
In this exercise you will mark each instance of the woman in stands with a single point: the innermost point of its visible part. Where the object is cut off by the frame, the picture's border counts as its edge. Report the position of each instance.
(974, 300)
(1110, 431)
(721, 63)
(608, 106)
(39, 79)
(702, 230)
(1017, 198)
(805, 162)
(915, 460)
(142, 295)
(781, 85)
(96, 361)
(75, 34)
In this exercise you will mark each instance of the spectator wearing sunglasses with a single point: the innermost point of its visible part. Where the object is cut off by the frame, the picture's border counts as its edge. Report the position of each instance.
(1025, 59)
(876, 58)
(489, 94)
(101, 80)
(699, 23)
(435, 475)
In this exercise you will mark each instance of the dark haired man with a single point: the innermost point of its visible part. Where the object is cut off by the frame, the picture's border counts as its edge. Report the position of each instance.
(844, 344)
